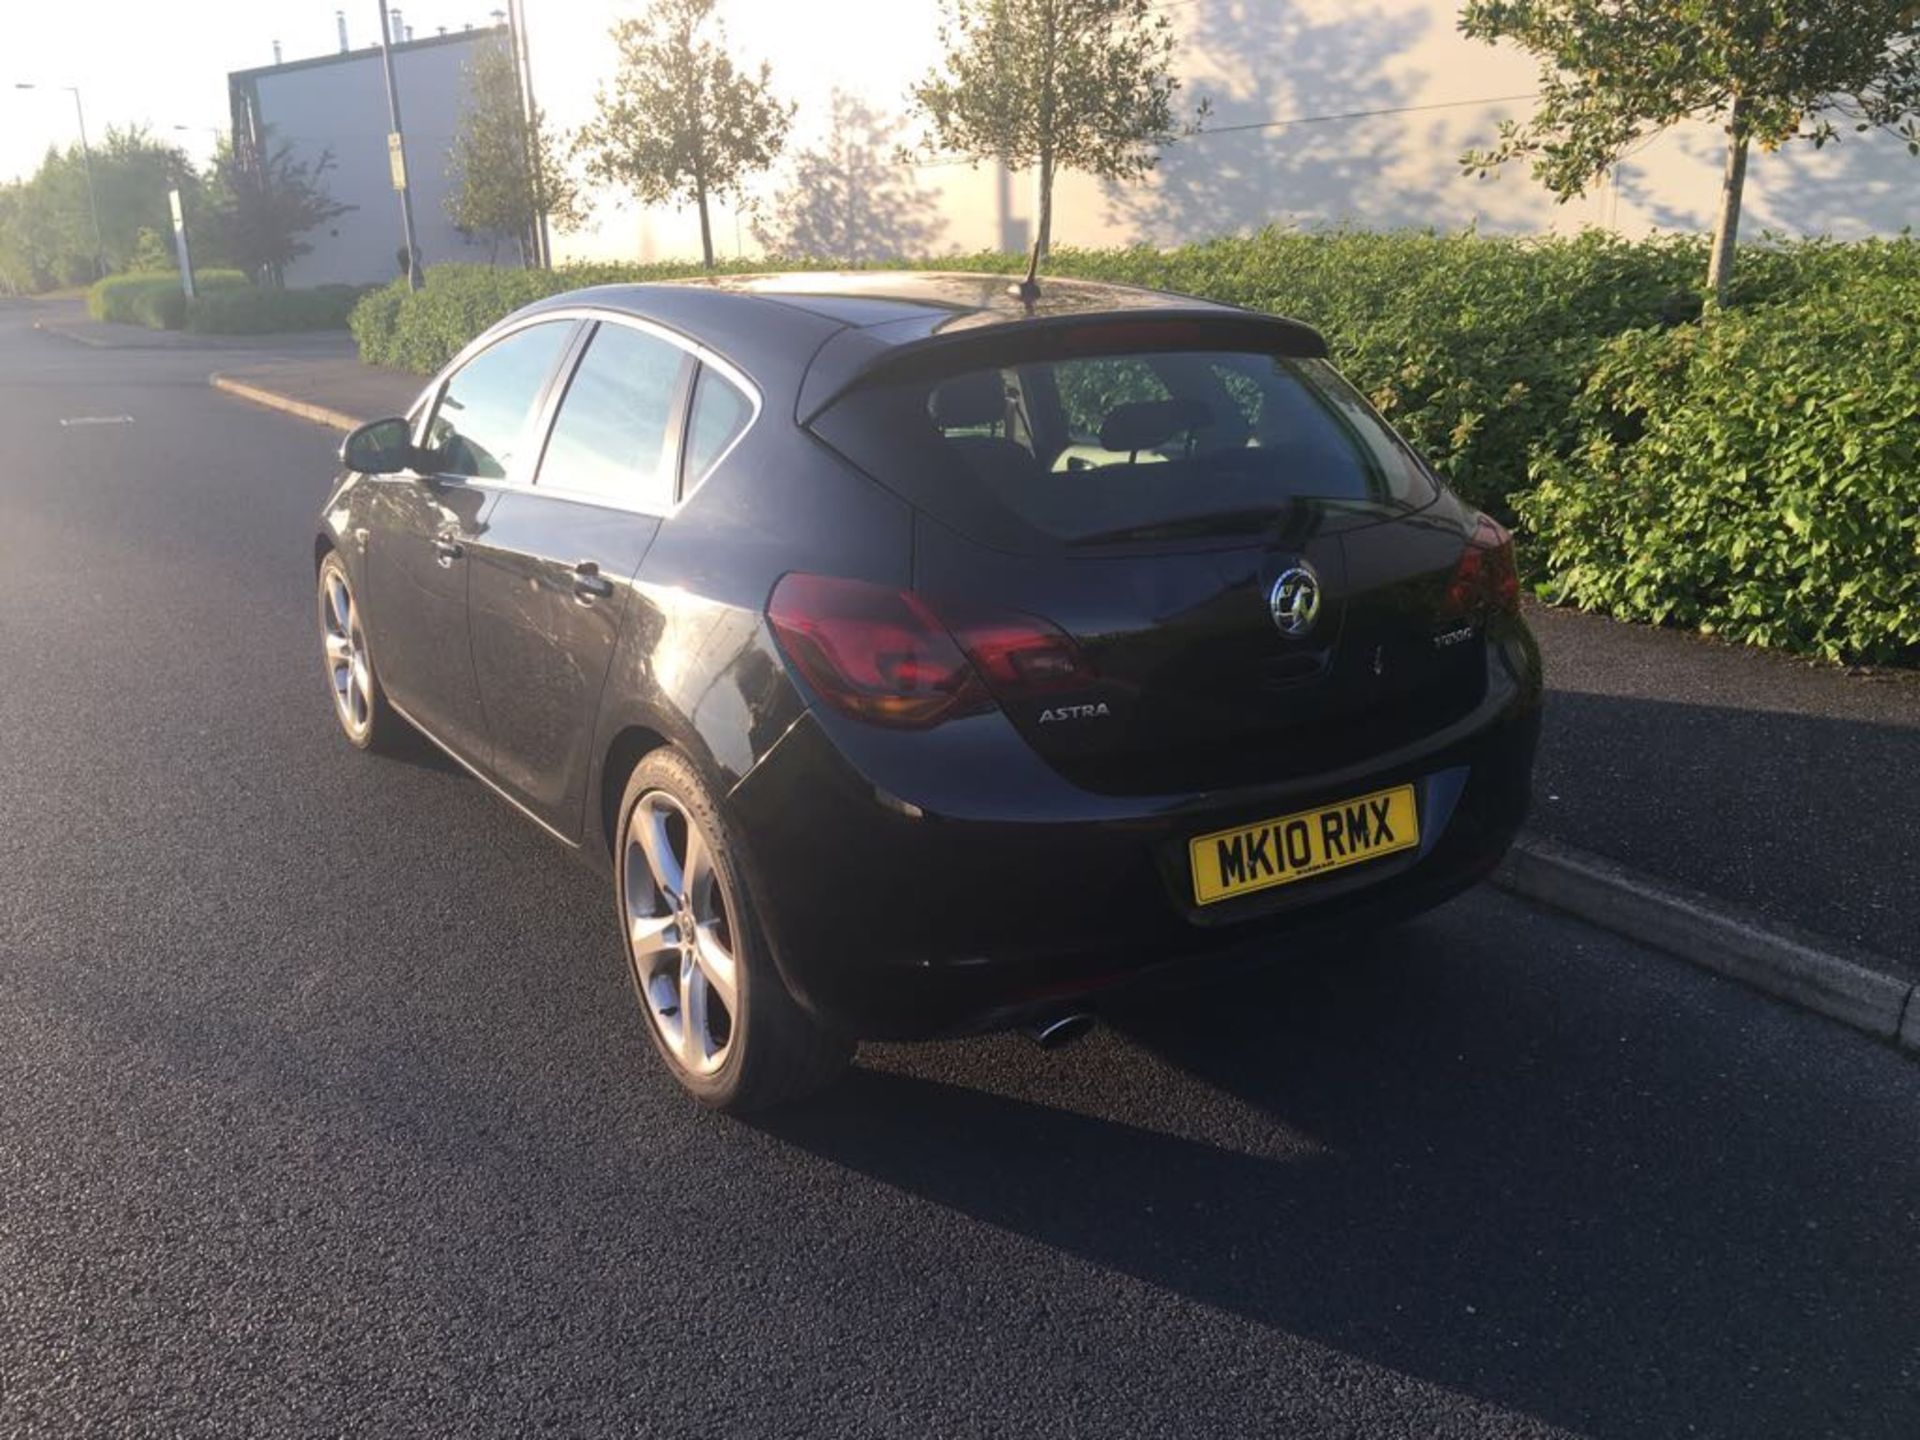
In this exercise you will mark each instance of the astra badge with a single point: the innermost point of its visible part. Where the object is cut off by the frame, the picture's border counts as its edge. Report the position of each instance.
(1074, 712)
(1295, 601)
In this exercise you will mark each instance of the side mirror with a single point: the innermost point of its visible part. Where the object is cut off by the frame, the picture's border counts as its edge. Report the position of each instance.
(381, 447)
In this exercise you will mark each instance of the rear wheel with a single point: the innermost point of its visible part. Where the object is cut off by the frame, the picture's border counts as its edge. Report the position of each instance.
(359, 704)
(718, 1011)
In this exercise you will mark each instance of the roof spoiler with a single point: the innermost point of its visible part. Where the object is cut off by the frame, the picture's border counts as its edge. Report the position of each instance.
(1053, 337)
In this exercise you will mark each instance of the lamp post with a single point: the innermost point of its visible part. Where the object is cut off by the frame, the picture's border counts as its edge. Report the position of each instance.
(397, 149)
(536, 158)
(86, 156)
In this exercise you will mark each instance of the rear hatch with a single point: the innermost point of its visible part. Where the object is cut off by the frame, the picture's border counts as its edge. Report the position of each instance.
(1256, 578)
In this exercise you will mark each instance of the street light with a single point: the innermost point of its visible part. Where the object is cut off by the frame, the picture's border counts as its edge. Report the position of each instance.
(86, 155)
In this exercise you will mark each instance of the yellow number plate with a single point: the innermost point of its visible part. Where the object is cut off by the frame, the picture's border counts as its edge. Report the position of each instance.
(1296, 847)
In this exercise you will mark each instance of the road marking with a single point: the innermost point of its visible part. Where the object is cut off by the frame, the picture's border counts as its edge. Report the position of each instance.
(98, 420)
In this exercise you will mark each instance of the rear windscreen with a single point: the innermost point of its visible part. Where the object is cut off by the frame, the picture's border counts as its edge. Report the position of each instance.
(1127, 447)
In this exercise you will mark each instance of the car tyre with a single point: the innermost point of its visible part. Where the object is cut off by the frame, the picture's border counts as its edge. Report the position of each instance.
(715, 1005)
(366, 718)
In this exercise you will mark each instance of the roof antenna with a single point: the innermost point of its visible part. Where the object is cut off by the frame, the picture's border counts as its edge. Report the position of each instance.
(1028, 290)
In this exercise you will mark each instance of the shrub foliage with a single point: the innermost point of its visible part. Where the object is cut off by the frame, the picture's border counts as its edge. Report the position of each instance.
(225, 303)
(154, 299)
(248, 310)
(1758, 477)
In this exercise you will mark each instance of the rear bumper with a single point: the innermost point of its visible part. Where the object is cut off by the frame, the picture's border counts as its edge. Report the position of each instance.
(991, 890)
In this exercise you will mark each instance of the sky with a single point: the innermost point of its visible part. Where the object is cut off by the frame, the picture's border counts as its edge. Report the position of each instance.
(165, 65)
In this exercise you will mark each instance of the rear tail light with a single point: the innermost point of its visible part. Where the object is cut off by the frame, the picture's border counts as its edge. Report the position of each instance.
(873, 653)
(884, 656)
(1021, 655)
(1485, 578)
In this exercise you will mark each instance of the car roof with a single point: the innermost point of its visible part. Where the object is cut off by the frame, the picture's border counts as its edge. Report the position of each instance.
(911, 304)
(815, 333)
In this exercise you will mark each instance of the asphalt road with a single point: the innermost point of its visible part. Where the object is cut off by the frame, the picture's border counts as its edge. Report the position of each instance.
(323, 1109)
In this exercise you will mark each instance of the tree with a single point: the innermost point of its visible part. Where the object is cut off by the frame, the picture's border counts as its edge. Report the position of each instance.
(1053, 84)
(262, 203)
(1769, 71)
(46, 231)
(504, 170)
(682, 122)
(849, 198)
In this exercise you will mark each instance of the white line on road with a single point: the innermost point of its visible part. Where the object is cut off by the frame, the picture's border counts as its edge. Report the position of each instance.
(98, 420)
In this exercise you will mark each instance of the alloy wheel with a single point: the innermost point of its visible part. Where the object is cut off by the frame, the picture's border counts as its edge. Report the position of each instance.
(680, 933)
(346, 652)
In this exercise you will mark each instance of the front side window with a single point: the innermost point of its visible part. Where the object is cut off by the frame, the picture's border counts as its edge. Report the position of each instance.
(485, 415)
(612, 438)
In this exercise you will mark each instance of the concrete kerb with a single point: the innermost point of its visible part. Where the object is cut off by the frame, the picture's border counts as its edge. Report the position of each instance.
(273, 400)
(1809, 970)
(1812, 971)
(54, 328)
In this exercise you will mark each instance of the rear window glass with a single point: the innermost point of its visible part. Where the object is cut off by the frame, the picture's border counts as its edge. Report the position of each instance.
(1131, 447)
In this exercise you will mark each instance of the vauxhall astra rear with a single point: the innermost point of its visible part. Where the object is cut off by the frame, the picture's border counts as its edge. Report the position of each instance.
(918, 654)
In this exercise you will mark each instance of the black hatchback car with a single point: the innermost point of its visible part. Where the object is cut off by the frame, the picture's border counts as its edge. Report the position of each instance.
(919, 654)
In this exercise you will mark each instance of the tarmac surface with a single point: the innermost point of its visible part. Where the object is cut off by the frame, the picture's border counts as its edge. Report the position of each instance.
(1787, 787)
(326, 1109)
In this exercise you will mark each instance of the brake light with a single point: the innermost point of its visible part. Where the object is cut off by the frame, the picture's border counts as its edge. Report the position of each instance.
(1021, 654)
(1485, 577)
(884, 656)
(873, 653)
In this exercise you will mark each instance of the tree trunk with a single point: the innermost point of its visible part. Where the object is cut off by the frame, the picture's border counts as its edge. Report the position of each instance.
(1726, 230)
(1043, 205)
(706, 226)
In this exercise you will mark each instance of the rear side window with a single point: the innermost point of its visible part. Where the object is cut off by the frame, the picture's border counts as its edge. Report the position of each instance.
(1128, 447)
(720, 413)
(483, 418)
(610, 440)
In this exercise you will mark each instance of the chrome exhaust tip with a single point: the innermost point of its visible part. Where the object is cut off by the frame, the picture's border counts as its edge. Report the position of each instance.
(1055, 1031)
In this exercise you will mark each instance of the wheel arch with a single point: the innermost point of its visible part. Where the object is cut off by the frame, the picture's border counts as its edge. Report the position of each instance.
(627, 749)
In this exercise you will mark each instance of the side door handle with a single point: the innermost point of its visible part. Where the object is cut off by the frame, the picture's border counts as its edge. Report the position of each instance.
(446, 551)
(589, 583)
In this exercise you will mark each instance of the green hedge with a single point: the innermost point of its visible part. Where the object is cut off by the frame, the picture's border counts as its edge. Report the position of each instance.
(225, 303)
(141, 298)
(250, 311)
(1756, 477)
(1511, 362)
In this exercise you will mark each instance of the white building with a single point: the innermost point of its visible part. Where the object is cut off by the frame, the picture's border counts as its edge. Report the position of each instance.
(1323, 111)
(338, 104)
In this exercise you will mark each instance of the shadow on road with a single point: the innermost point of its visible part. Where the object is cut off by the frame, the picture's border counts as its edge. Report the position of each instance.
(1543, 1217)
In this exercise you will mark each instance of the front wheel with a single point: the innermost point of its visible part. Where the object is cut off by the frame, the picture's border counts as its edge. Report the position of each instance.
(359, 704)
(718, 1011)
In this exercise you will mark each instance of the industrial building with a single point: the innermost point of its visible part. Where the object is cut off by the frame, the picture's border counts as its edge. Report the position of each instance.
(337, 104)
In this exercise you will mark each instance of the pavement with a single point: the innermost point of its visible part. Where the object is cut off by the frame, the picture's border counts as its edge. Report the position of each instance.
(1783, 785)
(327, 1110)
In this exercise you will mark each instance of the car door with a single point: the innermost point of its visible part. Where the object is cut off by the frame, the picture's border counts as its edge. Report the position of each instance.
(421, 526)
(552, 574)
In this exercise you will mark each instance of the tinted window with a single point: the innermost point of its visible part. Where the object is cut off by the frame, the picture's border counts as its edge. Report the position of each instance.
(481, 421)
(720, 413)
(610, 440)
(1128, 447)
